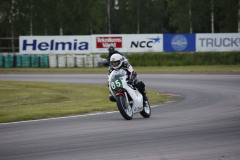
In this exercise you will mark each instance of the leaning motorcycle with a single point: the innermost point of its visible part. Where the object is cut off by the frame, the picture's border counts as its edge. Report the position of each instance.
(129, 100)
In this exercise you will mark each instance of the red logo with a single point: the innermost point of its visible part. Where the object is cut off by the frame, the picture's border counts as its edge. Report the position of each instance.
(106, 42)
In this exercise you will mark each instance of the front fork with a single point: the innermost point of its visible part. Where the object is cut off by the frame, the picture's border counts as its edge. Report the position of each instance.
(125, 93)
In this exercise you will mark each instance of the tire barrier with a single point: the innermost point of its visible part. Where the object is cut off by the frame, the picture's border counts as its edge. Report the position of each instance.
(1, 61)
(62, 61)
(44, 63)
(88, 59)
(96, 60)
(18, 61)
(79, 61)
(51, 60)
(9, 61)
(35, 61)
(70, 61)
(26, 60)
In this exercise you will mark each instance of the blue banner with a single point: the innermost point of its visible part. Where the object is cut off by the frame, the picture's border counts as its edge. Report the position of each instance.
(179, 42)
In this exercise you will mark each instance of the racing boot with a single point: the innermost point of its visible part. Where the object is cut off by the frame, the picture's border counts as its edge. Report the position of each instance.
(141, 87)
(111, 97)
(145, 98)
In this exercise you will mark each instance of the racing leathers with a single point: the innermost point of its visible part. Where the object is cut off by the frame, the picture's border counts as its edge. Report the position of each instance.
(132, 79)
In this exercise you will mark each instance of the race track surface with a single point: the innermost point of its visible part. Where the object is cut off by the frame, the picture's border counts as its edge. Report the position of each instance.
(204, 125)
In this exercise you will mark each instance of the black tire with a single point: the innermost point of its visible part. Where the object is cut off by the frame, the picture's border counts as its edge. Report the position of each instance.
(125, 111)
(146, 113)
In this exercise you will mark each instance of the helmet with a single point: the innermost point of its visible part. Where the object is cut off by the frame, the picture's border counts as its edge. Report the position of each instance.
(111, 49)
(116, 61)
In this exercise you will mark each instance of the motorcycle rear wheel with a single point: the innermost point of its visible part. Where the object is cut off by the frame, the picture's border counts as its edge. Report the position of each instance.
(146, 112)
(124, 108)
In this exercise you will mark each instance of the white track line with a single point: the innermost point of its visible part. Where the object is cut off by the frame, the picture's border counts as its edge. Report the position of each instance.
(84, 115)
(38, 120)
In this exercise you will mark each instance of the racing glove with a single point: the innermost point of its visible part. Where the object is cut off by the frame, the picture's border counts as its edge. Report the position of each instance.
(132, 77)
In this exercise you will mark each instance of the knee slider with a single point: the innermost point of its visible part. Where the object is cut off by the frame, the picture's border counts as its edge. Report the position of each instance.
(140, 84)
(111, 98)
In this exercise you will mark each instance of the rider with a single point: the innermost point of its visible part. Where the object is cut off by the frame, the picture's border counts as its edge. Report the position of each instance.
(111, 51)
(118, 61)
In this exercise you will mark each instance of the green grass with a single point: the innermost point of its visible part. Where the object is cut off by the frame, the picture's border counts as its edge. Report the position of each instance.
(196, 69)
(37, 100)
(184, 58)
(140, 69)
(55, 70)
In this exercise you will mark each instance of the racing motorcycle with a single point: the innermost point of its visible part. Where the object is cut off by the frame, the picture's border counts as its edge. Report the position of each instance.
(129, 100)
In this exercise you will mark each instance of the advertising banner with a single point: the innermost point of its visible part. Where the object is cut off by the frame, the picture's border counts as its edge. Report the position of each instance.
(54, 44)
(179, 42)
(218, 42)
(101, 43)
(144, 42)
(128, 43)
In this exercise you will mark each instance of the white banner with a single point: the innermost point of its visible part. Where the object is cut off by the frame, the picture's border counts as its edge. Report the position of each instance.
(128, 43)
(218, 42)
(54, 44)
(144, 43)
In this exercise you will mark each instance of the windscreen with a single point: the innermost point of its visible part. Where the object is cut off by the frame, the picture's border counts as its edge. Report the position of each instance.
(118, 73)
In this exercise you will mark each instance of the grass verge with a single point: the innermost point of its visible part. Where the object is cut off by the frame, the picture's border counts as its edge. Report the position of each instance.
(196, 69)
(212, 69)
(37, 100)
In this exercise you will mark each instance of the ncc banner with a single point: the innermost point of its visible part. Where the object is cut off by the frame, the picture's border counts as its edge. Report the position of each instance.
(144, 42)
(54, 44)
(218, 42)
(179, 42)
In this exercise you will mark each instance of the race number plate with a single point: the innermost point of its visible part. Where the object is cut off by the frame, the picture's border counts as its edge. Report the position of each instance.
(115, 84)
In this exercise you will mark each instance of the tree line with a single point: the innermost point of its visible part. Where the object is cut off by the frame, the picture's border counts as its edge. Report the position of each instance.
(86, 17)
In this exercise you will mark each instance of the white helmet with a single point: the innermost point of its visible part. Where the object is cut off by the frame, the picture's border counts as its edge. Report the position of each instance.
(116, 61)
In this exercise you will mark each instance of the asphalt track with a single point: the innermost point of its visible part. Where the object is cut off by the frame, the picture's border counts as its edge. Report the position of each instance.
(204, 125)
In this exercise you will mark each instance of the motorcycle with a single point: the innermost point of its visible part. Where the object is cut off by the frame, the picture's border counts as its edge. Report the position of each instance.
(129, 100)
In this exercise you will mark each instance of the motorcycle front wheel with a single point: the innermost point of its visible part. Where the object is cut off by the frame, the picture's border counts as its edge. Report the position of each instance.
(124, 108)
